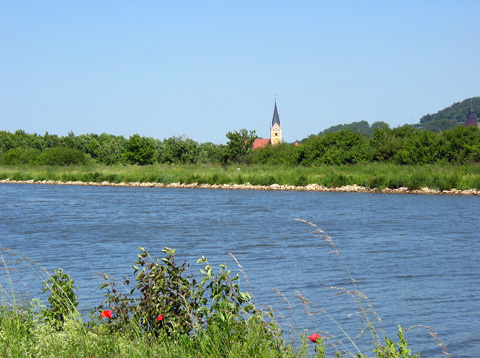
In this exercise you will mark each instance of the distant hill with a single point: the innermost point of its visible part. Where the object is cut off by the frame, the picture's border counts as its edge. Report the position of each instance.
(445, 119)
(361, 127)
(449, 117)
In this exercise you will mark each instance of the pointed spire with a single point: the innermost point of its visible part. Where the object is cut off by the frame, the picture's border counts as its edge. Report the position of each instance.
(276, 118)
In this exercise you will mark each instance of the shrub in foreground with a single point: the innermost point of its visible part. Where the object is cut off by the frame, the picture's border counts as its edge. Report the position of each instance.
(166, 299)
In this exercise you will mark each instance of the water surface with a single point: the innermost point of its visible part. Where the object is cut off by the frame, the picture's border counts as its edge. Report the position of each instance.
(416, 257)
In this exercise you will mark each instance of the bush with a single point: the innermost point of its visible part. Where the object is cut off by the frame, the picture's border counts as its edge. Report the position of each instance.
(61, 157)
(167, 300)
(62, 298)
(20, 156)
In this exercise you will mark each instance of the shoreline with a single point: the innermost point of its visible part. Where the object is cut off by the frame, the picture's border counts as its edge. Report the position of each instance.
(248, 186)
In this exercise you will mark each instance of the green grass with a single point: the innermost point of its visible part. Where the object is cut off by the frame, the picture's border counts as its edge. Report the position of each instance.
(379, 176)
(22, 334)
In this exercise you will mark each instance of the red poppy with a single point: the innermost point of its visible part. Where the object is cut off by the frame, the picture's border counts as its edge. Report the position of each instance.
(160, 317)
(106, 313)
(314, 337)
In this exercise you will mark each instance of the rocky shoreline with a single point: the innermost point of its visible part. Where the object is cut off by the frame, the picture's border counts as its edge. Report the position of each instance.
(248, 186)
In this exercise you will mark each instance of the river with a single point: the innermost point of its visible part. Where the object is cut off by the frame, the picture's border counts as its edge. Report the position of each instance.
(416, 257)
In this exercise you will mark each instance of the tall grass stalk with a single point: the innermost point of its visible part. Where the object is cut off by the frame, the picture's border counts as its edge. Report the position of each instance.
(366, 308)
(357, 294)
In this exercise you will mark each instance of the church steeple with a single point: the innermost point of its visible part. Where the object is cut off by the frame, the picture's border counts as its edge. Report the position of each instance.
(275, 129)
(276, 118)
(471, 120)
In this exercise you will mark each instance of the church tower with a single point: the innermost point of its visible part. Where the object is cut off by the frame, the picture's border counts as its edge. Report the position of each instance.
(275, 129)
(471, 120)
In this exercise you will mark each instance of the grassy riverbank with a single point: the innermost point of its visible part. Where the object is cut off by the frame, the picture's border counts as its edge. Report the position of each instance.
(379, 176)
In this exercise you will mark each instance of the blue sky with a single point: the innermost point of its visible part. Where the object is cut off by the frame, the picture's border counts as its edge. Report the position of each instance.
(202, 69)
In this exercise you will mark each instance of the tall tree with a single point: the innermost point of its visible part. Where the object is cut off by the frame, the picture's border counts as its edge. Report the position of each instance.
(140, 150)
(239, 144)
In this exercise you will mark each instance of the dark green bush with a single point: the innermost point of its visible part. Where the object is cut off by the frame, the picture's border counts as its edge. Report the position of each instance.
(61, 157)
(20, 156)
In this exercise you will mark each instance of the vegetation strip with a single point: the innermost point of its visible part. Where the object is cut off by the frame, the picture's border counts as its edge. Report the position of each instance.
(248, 186)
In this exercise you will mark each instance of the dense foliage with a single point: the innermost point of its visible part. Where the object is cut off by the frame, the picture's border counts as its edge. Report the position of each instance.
(402, 145)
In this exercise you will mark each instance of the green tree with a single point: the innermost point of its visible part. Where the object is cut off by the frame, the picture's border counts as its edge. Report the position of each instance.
(7, 141)
(421, 148)
(344, 147)
(139, 150)
(238, 145)
(209, 153)
(386, 143)
(51, 141)
(459, 145)
(111, 152)
(92, 147)
(179, 150)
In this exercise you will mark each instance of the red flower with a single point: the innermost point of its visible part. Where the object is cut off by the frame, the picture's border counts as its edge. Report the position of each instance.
(160, 317)
(106, 313)
(314, 337)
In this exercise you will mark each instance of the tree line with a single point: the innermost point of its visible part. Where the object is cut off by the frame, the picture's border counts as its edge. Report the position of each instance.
(402, 145)
(21, 148)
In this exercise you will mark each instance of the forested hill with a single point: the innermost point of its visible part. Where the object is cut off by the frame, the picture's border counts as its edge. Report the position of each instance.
(444, 119)
(457, 111)
(449, 117)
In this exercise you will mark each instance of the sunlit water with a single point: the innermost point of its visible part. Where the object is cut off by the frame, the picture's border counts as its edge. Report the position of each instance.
(417, 258)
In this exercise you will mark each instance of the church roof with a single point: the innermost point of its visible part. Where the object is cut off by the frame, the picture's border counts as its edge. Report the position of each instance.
(260, 142)
(276, 118)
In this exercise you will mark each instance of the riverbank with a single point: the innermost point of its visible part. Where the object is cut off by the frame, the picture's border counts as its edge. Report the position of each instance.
(367, 178)
(248, 186)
